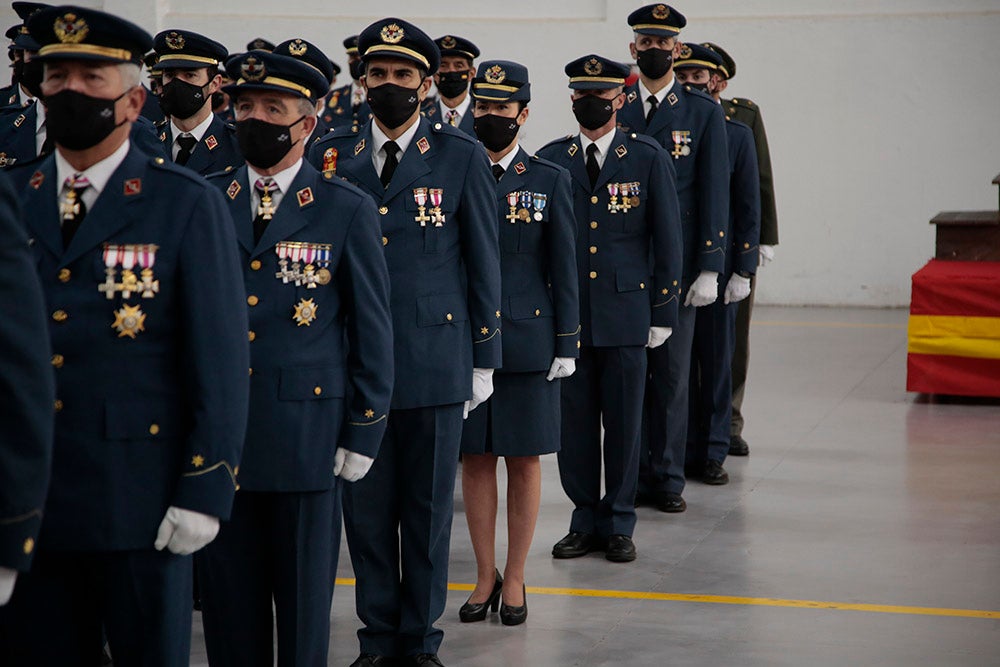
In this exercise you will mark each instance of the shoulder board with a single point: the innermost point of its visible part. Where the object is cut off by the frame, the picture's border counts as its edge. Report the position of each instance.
(644, 139)
(699, 94)
(222, 172)
(742, 102)
(14, 165)
(443, 128)
(560, 140)
(229, 125)
(542, 162)
(166, 165)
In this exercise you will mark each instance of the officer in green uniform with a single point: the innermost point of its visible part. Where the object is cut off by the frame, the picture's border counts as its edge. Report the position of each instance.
(748, 113)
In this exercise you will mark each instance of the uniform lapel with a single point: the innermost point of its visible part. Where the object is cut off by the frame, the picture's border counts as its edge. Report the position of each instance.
(118, 205)
(468, 124)
(577, 164)
(238, 200)
(612, 161)
(202, 156)
(414, 162)
(42, 200)
(362, 167)
(664, 116)
(632, 115)
(289, 218)
(22, 143)
(511, 180)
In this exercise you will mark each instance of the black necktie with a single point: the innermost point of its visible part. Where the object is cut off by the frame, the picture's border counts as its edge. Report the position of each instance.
(391, 162)
(46, 145)
(653, 106)
(593, 169)
(265, 187)
(187, 144)
(498, 172)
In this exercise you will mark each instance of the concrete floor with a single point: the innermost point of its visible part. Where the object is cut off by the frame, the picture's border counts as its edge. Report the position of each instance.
(855, 492)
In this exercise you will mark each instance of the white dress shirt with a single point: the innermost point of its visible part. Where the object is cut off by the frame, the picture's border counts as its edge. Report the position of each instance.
(603, 145)
(283, 179)
(198, 132)
(379, 138)
(98, 174)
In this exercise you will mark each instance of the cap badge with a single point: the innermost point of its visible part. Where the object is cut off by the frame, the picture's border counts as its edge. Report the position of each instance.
(593, 67)
(70, 29)
(392, 34)
(661, 12)
(252, 69)
(174, 41)
(448, 42)
(495, 74)
(685, 51)
(298, 48)
(259, 44)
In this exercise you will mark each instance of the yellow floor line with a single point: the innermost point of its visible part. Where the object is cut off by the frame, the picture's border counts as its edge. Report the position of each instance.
(746, 601)
(828, 325)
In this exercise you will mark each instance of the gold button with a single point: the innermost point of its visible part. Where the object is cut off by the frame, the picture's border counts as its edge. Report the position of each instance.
(158, 160)
(593, 250)
(665, 291)
(722, 235)
(537, 312)
(578, 345)
(383, 210)
(253, 300)
(154, 429)
(60, 316)
(58, 405)
(746, 245)
(593, 200)
(251, 372)
(675, 283)
(449, 317)
(29, 546)
(64, 275)
(255, 265)
(317, 390)
(593, 224)
(385, 240)
(58, 360)
(642, 285)
(708, 243)
(593, 274)
(251, 336)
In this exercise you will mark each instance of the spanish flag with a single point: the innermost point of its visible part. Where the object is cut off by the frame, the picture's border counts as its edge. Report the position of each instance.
(954, 329)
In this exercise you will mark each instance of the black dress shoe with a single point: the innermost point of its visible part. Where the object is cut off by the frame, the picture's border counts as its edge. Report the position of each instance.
(738, 446)
(372, 660)
(669, 502)
(476, 611)
(426, 660)
(715, 474)
(643, 498)
(511, 615)
(621, 549)
(575, 545)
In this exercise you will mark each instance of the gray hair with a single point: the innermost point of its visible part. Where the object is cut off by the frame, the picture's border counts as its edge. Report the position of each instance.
(131, 75)
(306, 107)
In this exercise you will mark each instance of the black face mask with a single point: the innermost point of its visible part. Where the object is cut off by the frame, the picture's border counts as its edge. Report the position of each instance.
(264, 144)
(31, 77)
(496, 132)
(181, 99)
(655, 63)
(77, 121)
(452, 84)
(357, 69)
(218, 99)
(18, 73)
(392, 104)
(593, 112)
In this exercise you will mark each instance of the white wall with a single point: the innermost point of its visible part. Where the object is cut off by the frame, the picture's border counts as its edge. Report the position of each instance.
(879, 114)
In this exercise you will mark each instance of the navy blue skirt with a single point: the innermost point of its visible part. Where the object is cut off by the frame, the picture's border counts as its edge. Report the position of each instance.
(521, 418)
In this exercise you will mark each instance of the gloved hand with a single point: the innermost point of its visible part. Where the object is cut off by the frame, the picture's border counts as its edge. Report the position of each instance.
(184, 531)
(658, 336)
(704, 290)
(351, 466)
(482, 388)
(562, 367)
(8, 578)
(766, 255)
(737, 289)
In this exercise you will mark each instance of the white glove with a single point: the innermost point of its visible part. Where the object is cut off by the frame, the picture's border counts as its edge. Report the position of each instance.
(704, 290)
(737, 289)
(658, 336)
(8, 578)
(766, 255)
(184, 531)
(562, 367)
(482, 388)
(351, 466)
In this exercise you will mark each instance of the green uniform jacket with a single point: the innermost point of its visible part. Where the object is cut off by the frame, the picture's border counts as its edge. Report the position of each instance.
(748, 113)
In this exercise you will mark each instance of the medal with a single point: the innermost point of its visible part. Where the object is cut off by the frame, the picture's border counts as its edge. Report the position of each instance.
(539, 201)
(266, 208)
(305, 312)
(436, 195)
(323, 275)
(130, 283)
(129, 321)
(613, 203)
(512, 202)
(524, 214)
(420, 196)
(296, 255)
(309, 273)
(111, 259)
(626, 189)
(634, 191)
(681, 140)
(282, 251)
(147, 257)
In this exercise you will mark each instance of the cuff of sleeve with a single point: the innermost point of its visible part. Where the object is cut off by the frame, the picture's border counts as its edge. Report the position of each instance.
(17, 540)
(363, 436)
(208, 489)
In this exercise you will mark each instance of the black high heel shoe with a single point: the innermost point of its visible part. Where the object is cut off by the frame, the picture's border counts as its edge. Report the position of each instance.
(510, 615)
(476, 611)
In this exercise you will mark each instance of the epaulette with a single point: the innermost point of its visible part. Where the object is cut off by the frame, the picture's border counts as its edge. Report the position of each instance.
(743, 102)
(542, 162)
(161, 124)
(699, 93)
(168, 166)
(222, 172)
(644, 139)
(444, 128)
(560, 140)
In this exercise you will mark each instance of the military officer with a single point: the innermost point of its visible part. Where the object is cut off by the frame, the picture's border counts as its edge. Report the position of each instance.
(140, 273)
(348, 105)
(437, 204)
(194, 137)
(151, 109)
(311, 55)
(11, 94)
(748, 113)
(629, 267)
(260, 44)
(26, 78)
(541, 330)
(321, 372)
(710, 394)
(26, 396)
(693, 129)
(452, 103)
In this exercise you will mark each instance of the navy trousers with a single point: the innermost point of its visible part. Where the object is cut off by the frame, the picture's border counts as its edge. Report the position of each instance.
(142, 599)
(711, 385)
(280, 547)
(398, 521)
(666, 409)
(607, 386)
